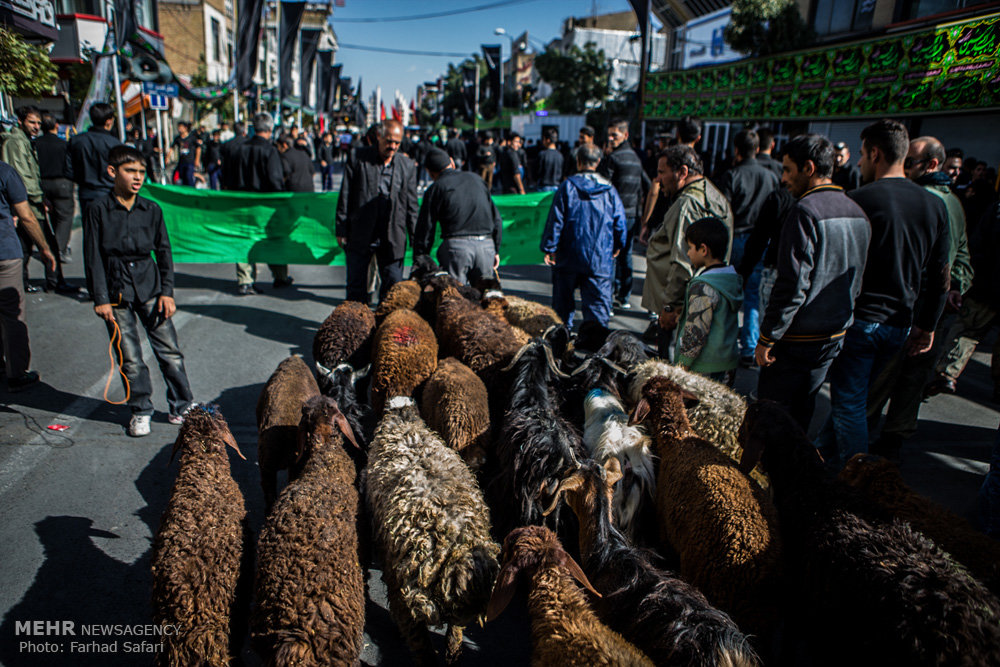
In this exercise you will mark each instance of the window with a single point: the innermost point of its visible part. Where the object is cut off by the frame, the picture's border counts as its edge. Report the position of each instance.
(216, 41)
(832, 17)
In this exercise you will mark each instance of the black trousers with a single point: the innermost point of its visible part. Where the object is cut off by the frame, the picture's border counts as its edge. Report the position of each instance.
(52, 278)
(390, 271)
(59, 193)
(798, 371)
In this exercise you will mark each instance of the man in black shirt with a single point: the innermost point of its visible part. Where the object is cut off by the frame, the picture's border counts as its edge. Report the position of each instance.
(456, 149)
(57, 188)
(229, 153)
(327, 156)
(908, 256)
(120, 234)
(487, 159)
(747, 185)
(550, 162)
(470, 224)
(87, 156)
(624, 169)
(296, 165)
(212, 159)
(845, 174)
(766, 138)
(511, 167)
(188, 147)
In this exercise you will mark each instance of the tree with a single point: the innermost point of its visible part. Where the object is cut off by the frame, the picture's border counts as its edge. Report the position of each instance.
(453, 104)
(579, 77)
(27, 70)
(763, 27)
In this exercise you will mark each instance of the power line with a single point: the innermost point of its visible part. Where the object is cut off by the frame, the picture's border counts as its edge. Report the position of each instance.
(435, 15)
(405, 52)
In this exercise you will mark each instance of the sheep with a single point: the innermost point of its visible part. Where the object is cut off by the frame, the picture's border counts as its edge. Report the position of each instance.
(405, 354)
(536, 446)
(495, 303)
(722, 525)
(201, 553)
(310, 589)
(624, 349)
(345, 336)
(279, 410)
(882, 485)
(533, 317)
(480, 340)
(456, 406)
(608, 436)
(432, 529)
(667, 618)
(564, 628)
(885, 592)
(716, 417)
(404, 294)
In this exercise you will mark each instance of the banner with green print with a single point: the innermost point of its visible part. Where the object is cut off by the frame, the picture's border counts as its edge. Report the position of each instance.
(208, 226)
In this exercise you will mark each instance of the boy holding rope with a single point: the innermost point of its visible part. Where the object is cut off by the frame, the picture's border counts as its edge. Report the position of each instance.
(120, 233)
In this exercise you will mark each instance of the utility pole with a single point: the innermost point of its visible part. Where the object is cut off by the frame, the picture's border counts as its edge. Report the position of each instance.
(110, 17)
(643, 67)
(475, 111)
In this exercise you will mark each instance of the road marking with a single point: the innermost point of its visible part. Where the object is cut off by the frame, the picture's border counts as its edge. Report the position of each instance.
(961, 463)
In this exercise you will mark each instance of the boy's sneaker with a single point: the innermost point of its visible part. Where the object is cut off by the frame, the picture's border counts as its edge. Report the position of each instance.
(138, 426)
(177, 420)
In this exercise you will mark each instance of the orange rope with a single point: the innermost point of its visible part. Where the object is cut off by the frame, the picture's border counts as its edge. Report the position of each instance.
(116, 337)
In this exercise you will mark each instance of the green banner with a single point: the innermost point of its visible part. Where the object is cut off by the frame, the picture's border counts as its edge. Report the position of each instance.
(208, 226)
(947, 68)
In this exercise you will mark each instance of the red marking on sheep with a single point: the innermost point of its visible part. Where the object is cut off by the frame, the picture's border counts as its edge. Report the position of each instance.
(405, 336)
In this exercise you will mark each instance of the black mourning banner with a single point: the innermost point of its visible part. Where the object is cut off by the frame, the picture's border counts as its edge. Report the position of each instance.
(469, 89)
(291, 21)
(247, 40)
(310, 42)
(125, 21)
(492, 56)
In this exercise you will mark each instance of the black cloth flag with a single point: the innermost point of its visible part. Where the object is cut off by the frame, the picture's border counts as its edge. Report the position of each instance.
(247, 40)
(333, 94)
(310, 42)
(291, 21)
(493, 64)
(469, 84)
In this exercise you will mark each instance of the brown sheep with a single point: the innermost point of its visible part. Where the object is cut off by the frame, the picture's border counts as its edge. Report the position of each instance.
(480, 340)
(882, 485)
(202, 549)
(345, 336)
(456, 406)
(404, 294)
(310, 589)
(405, 354)
(564, 629)
(531, 316)
(724, 526)
(279, 410)
(495, 302)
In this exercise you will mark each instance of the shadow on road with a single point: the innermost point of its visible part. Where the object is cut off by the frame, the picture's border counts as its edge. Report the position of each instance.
(45, 397)
(295, 331)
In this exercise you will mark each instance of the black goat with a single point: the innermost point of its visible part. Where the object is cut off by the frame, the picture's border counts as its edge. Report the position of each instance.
(869, 592)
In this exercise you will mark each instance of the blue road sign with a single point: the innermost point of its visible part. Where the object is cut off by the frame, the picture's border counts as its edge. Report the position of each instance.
(158, 102)
(163, 89)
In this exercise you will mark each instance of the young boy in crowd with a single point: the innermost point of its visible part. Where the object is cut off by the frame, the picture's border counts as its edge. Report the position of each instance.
(709, 327)
(120, 232)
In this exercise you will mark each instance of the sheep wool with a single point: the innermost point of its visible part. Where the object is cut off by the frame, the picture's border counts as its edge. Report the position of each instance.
(432, 528)
(345, 336)
(279, 410)
(310, 589)
(456, 406)
(480, 340)
(201, 552)
(530, 316)
(564, 629)
(404, 294)
(405, 354)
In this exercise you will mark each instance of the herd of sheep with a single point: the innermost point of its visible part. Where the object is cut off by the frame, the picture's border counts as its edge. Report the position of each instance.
(638, 513)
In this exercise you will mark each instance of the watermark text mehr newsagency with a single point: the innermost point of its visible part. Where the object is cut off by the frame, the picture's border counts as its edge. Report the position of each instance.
(132, 637)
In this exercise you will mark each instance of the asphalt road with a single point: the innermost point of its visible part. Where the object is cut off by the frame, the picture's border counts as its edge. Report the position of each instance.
(79, 507)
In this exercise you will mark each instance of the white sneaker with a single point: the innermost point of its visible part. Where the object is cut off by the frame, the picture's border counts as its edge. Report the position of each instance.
(138, 426)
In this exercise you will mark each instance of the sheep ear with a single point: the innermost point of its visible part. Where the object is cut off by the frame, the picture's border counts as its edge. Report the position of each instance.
(228, 438)
(577, 572)
(322, 370)
(571, 483)
(753, 448)
(300, 445)
(340, 421)
(690, 399)
(612, 470)
(639, 413)
(503, 591)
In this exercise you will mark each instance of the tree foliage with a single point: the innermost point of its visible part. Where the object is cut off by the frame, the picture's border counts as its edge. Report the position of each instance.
(763, 27)
(27, 70)
(453, 104)
(579, 77)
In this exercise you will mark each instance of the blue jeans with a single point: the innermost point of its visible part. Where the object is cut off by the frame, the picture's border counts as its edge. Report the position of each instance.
(328, 177)
(595, 296)
(750, 331)
(185, 172)
(868, 347)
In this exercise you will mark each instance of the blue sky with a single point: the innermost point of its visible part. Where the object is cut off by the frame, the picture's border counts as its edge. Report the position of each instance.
(462, 33)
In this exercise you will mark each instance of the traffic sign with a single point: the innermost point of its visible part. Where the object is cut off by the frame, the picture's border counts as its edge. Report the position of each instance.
(158, 102)
(162, 89)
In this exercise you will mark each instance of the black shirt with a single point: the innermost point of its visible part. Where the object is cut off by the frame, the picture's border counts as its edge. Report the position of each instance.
(456, 151)
(298, 169)
(767, 160)
(260, 166)
(510, 164)
(213, 152)
(51, 155)
(186, 148)
(766, 234)
(117, 244)
(847, 177)
(909, 240)
(87, 162)
(550, 167)
(229, 152)
(460, 201)
(624, 169)
(746, 186)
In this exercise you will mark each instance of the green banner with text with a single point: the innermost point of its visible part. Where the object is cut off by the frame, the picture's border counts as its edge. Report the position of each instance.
(208, 226)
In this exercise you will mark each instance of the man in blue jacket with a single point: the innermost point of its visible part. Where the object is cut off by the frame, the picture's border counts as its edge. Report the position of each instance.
(583, 235)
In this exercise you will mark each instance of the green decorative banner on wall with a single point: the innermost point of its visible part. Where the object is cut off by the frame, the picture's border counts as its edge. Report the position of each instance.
(952, 67)
(207, 226)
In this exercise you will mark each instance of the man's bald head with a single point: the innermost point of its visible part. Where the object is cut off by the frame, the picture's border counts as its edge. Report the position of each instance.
(926, 155)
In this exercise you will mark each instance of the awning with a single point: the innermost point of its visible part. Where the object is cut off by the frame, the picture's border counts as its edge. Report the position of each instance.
(32, 29)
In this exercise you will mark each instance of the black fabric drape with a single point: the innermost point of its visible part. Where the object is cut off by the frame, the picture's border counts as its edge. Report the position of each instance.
(493, 63)
(125, 21)
(291, 21)
(333, 89)
(310, 42)
(247, 40)
(469, 84)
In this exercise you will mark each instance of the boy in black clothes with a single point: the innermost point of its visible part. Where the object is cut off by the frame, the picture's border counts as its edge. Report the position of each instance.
(119, 234)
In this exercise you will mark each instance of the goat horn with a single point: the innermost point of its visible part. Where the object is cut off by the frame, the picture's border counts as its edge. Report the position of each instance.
(579, 369)
(323, 370)
(613, 366)
(552, 363)
(520, 353)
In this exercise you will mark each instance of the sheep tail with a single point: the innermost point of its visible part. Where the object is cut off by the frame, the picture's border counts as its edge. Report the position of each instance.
(453, 644)
(292, 651)
(470, 584)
